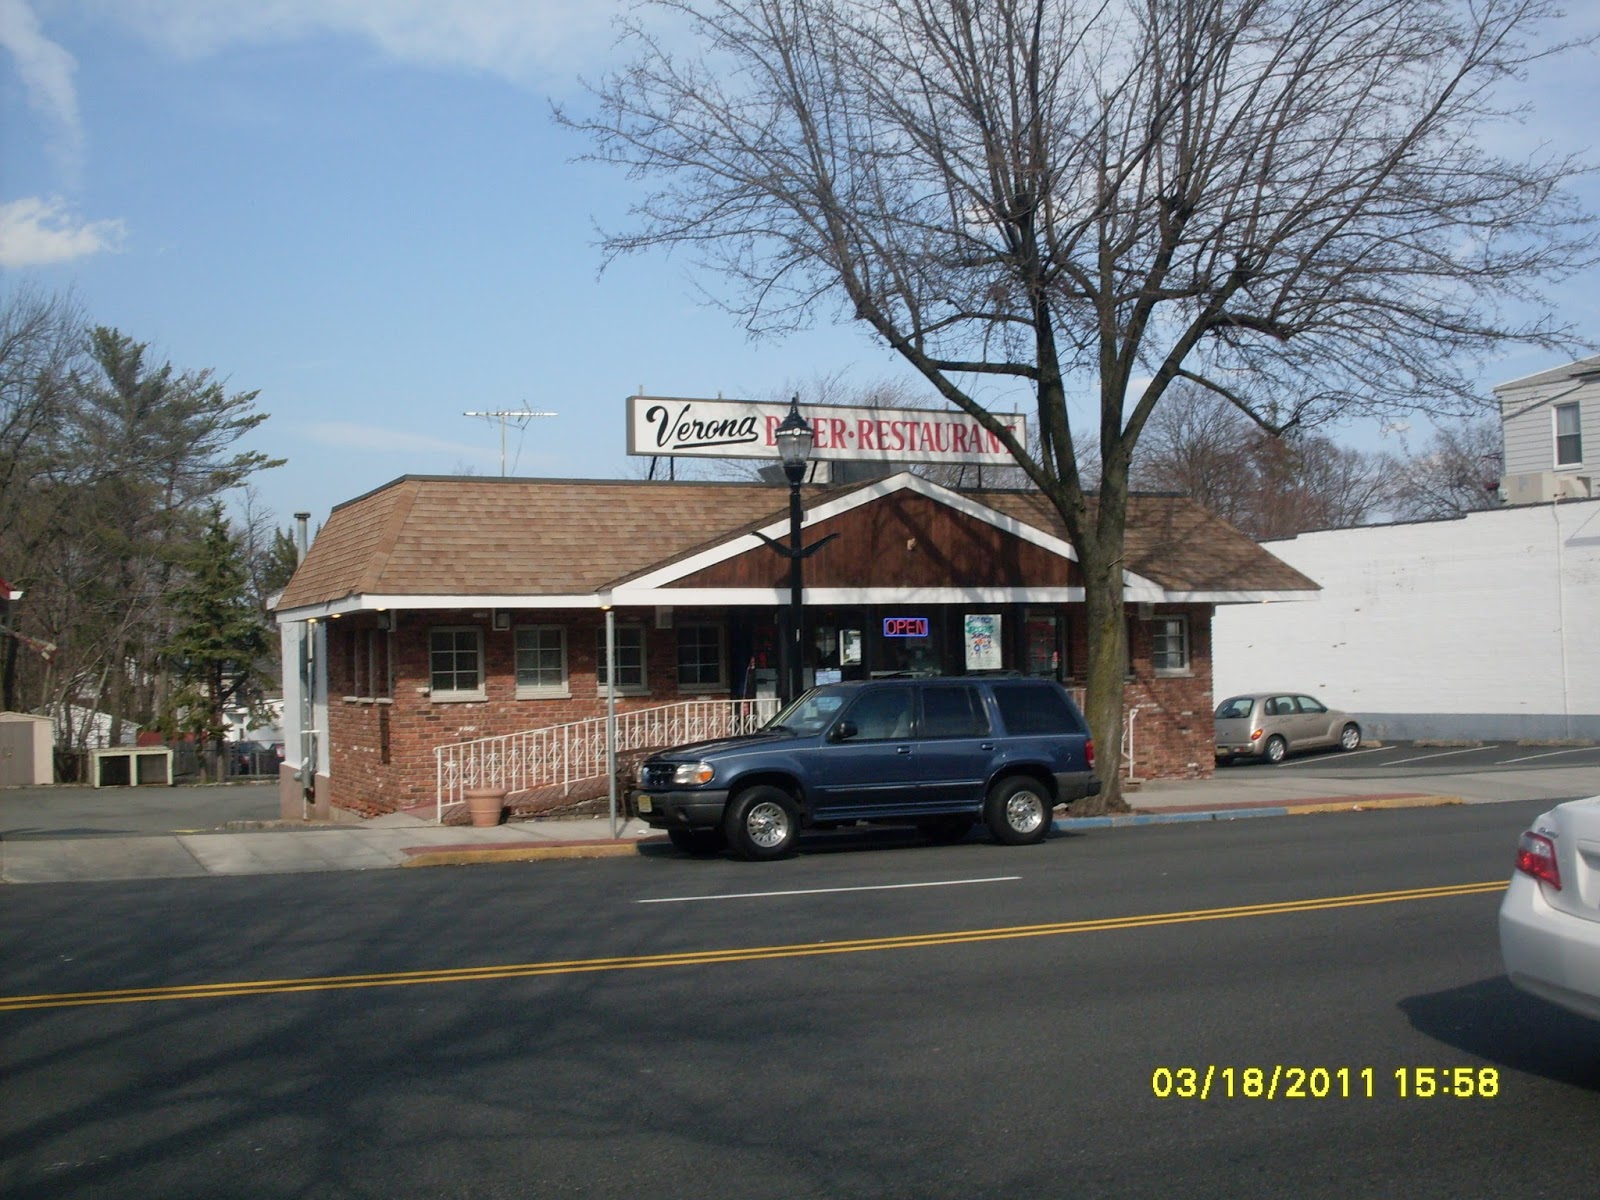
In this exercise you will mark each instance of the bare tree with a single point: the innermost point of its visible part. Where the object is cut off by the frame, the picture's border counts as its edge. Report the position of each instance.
(1266, 484)
(1457, 472)
(1283, 201)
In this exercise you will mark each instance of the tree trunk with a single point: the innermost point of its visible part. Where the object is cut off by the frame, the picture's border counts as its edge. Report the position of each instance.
(1107, 667)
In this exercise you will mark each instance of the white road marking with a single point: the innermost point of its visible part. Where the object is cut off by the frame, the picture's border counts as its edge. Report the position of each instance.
(1547, 754)
(882, 887)
(1441, 754)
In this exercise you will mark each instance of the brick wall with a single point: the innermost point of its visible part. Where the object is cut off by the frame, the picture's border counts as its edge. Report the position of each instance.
(381, 747)
(1173, 732)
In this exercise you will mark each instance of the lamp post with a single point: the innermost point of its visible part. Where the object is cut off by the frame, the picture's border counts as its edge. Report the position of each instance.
(794, 437)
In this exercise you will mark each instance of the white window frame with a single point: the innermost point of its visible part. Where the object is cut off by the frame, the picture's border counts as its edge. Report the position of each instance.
(1575, 434)
(720, 634)
(642, 687)
(1160, 631)
(540, 691)
(454, 694)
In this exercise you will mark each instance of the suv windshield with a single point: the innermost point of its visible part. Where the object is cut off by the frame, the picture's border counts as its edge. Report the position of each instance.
(813, 712)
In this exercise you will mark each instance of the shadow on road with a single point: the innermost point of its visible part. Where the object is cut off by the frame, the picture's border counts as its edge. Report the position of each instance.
(1494, 1021)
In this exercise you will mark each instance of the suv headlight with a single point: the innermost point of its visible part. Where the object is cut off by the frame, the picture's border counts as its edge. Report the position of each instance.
(693, 773)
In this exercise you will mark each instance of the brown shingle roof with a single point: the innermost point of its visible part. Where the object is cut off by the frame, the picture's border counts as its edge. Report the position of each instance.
(1172, 540)
(432, 536)
(465, 535)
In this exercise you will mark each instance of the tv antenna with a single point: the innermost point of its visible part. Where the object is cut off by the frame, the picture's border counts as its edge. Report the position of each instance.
(522, 415)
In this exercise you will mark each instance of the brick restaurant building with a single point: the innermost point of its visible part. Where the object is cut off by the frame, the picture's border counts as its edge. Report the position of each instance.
(434, 613)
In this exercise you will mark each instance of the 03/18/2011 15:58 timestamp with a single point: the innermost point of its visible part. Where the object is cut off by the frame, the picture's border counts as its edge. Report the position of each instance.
(1283, 1082)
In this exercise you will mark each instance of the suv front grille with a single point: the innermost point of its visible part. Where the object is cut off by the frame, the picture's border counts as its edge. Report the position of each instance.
(659, 774)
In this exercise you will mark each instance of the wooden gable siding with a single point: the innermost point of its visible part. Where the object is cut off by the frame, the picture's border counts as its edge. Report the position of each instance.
(902, 540)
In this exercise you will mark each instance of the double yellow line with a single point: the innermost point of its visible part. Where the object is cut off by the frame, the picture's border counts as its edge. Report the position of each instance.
(695, 958)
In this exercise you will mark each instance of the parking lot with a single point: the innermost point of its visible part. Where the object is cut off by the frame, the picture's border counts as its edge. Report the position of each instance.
(1423, 758)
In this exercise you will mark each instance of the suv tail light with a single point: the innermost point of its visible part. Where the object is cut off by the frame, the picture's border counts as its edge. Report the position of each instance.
(1536, 856)
(1088, 751)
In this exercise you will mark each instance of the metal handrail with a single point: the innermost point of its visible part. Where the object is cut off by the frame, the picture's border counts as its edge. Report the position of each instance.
(578, 751)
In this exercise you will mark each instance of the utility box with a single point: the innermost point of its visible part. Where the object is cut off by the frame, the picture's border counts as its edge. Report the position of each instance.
(27, 750)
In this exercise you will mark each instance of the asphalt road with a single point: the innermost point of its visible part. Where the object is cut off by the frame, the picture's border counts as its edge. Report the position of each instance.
(925, 1022)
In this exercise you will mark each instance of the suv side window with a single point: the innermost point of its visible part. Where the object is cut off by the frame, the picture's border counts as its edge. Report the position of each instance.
(1034, 708)
(881, 714)
(953, 711)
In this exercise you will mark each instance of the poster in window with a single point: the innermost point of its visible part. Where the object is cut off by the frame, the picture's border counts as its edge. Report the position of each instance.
(983, 641)
(849, 647)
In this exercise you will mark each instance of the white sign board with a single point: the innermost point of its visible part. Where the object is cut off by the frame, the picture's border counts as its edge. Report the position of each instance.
(677, 428)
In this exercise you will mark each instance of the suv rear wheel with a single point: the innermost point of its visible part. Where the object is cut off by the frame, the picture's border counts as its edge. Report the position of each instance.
(761, 823)
(1018, 811)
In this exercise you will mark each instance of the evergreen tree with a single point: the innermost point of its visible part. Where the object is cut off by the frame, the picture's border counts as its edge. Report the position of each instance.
(220, 645)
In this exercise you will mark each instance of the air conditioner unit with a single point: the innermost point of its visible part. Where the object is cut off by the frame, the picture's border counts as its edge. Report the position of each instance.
(1532, 487)
(1574, 487)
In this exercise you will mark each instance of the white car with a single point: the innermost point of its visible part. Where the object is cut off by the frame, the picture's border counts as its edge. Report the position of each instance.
(1550, 917)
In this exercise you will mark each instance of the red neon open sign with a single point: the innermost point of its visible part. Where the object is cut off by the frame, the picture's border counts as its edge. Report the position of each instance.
(905, 627)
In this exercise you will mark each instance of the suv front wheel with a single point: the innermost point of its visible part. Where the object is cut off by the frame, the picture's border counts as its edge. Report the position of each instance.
(761, 823)
(1018, 811)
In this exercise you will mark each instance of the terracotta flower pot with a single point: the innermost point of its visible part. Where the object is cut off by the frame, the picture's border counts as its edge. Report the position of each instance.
(485, 804)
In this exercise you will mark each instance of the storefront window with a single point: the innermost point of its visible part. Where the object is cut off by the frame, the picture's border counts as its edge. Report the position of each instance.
(700, 659)
(905, 642)
(1041, 638)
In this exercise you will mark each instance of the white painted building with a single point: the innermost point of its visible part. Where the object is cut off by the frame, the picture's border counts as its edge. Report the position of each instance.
(1551, 426)
(1484, 626)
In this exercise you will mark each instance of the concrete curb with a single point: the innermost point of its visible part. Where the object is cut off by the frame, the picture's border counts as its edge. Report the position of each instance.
(1245, 811)
(461, 856)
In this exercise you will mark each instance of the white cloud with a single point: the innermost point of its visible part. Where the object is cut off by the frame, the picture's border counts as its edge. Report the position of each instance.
(36, 233)
(517, 39)
(46, 71)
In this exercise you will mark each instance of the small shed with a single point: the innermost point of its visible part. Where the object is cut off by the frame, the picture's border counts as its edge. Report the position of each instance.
(27, 750)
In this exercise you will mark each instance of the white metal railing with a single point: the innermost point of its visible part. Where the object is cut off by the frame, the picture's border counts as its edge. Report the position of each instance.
(571, 753)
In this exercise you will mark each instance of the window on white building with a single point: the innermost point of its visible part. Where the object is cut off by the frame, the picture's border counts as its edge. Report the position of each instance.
(1569, 436)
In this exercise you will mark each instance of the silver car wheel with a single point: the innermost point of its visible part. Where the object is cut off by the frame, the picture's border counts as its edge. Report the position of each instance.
(1350, 737)
(1025, 812)
(767, 824)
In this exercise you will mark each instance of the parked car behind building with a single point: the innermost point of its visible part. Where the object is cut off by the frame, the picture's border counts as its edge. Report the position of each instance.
(1272, 725)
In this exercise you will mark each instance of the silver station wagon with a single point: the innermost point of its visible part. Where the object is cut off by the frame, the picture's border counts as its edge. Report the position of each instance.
(1272, 725)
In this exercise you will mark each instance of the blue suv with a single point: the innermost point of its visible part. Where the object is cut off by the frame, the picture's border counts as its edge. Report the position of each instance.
(941, 753)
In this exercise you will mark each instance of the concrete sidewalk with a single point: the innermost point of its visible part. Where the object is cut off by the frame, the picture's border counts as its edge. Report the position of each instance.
(403, 840)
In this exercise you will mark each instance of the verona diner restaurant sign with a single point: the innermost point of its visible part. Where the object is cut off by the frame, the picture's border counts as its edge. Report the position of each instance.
(666, 427)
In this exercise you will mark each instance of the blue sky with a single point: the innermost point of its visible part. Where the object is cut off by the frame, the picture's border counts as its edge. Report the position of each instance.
(362, 209)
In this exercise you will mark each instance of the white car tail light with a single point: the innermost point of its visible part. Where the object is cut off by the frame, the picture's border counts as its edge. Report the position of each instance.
(1536, 856)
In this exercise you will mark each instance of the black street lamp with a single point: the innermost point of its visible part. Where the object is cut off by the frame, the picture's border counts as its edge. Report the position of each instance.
(795, 438)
